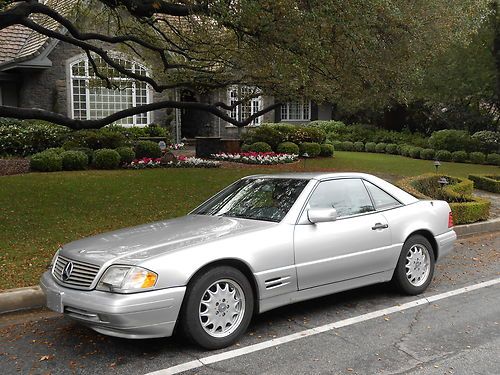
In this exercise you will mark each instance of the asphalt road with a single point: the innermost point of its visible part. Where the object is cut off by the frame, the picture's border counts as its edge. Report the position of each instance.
(455, 335)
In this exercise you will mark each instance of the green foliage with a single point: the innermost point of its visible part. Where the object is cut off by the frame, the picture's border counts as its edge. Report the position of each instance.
(392, 148)
(488, 141)
(74, 160)
(46, 162)
(135, 132)
(347, 146)
(427, 154)
(370, 147)
(451, 140)
(337, 145)
(404, 150)
(266, 133)
(245, 148)
(380, 147)
(477, 157)
(465, 207)
(414, 152)
(127, 154)
(147, 149)
(312, 149)
(327, 150)
(307, 134)
(459, 156)
(260, 147)
(288, 148)
(96, 139)
(87, 151)
(486, 182)
(359, 146)
(22, 138)
(493, 159)
(106, 158)
(443, 155)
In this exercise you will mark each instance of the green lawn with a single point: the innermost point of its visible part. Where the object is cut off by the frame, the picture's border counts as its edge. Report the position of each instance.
(38, 211)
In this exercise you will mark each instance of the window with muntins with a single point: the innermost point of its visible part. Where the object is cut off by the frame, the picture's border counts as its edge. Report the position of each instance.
(247, 108)
(92, 100)
(296, 110)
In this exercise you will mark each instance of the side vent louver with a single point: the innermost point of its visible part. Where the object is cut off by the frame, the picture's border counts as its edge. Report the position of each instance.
(276, 282)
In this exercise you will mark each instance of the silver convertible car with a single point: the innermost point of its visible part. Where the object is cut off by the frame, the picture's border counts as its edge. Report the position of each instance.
(264, 241)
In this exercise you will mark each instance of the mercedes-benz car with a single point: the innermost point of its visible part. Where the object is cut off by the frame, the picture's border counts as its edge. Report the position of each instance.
(264, 241)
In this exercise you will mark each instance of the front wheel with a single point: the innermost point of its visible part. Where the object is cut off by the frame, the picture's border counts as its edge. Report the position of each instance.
(415, 266)
(218, 307)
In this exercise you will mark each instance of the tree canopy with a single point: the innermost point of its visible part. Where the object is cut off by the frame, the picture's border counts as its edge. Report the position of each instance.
(324, 50)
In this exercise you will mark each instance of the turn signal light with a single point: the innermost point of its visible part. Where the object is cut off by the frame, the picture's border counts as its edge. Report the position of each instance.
(450, 219)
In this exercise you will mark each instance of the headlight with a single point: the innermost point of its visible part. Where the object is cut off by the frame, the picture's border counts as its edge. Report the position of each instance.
(126, 279)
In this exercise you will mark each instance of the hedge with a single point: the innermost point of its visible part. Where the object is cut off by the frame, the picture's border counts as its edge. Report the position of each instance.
(485, 182)
(465, 207)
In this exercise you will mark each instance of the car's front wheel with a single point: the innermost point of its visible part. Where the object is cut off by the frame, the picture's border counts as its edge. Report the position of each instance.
(218, 307)
(415, 266)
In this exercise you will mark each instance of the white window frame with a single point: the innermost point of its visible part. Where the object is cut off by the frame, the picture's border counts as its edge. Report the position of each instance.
(87, 77)
(234, 93)
(303, 105)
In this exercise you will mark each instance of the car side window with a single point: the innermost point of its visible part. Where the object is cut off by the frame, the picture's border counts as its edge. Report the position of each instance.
(381, 199)
(347, 196)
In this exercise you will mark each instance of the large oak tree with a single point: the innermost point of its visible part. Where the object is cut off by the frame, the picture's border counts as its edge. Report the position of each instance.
(323, 50)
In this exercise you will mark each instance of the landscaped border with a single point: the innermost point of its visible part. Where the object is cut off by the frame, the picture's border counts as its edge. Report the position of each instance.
(486, 182)
(466, 208)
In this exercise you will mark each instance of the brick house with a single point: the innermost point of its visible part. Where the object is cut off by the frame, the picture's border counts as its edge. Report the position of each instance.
(39, 72)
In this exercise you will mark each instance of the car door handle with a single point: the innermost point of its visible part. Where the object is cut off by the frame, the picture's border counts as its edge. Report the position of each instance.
(380, 226)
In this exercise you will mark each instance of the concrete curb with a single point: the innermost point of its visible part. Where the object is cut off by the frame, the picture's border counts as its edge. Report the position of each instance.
(33, 297)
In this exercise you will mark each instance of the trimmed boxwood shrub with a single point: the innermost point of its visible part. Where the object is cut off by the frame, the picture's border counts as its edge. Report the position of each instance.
(465, 207)
(46, 162)
(493, 159)
(307, 134)
(265, 133)
(260, 147)
(459, 156)
(56, 150)
(414, 152)
(443, 155)
(380, 147)
(327, 150)
(370, 146)
(359, 146)
(404, 150)
(74, 160)
(391, 148)
(477, 157)
(488, 183)
(337, 145)
(106, 158)
(347, 146)
(127, 154)
(427, 154)
(245, 147)
(288, 148)
(312, 149)
(147, 149)
(87, 151)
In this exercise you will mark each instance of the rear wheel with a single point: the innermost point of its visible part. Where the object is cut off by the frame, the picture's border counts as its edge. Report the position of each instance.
(218, 307)
(415, 266)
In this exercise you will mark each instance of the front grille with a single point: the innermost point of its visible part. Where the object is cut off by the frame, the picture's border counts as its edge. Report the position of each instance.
(83, 274)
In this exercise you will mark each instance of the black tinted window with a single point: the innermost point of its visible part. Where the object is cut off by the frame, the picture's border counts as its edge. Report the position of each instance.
(347, 196)
(381, 199)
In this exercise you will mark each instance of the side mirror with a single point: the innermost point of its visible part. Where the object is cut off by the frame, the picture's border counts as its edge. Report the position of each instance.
(321, 215)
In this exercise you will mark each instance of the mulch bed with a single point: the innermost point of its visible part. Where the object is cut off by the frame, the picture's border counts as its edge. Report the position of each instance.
(14, 166)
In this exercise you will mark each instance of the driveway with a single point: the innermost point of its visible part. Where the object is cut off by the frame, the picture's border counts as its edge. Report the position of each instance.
(457, 334)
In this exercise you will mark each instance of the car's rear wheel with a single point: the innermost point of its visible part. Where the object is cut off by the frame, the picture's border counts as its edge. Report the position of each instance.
(415, 266)
(218, 307)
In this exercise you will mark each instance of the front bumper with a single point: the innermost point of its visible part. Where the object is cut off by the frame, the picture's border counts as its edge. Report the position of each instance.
(135, 316)
(445, 242)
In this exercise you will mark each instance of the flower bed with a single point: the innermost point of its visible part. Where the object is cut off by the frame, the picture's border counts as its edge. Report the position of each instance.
(264, 158)
(181, 162)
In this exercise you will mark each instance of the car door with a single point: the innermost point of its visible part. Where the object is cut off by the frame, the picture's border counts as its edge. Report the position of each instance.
(356, 244)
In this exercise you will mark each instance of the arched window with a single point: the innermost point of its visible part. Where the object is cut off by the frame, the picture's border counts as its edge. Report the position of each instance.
(92, 100)
(246, 109)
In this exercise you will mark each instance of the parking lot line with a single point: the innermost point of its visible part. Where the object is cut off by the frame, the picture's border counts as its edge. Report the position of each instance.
(316, 330)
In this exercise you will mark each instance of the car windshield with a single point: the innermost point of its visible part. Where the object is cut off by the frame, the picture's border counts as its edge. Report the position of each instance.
(267, 199)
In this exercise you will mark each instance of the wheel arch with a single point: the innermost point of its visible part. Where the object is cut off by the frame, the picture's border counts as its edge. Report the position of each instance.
(240, 266)
(429, 237)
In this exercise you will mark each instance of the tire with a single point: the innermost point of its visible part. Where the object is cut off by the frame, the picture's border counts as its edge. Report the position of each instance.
(415, 267)
(208, 303)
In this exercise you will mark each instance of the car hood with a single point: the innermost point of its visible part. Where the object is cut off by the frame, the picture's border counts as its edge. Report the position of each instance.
(132, 245)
